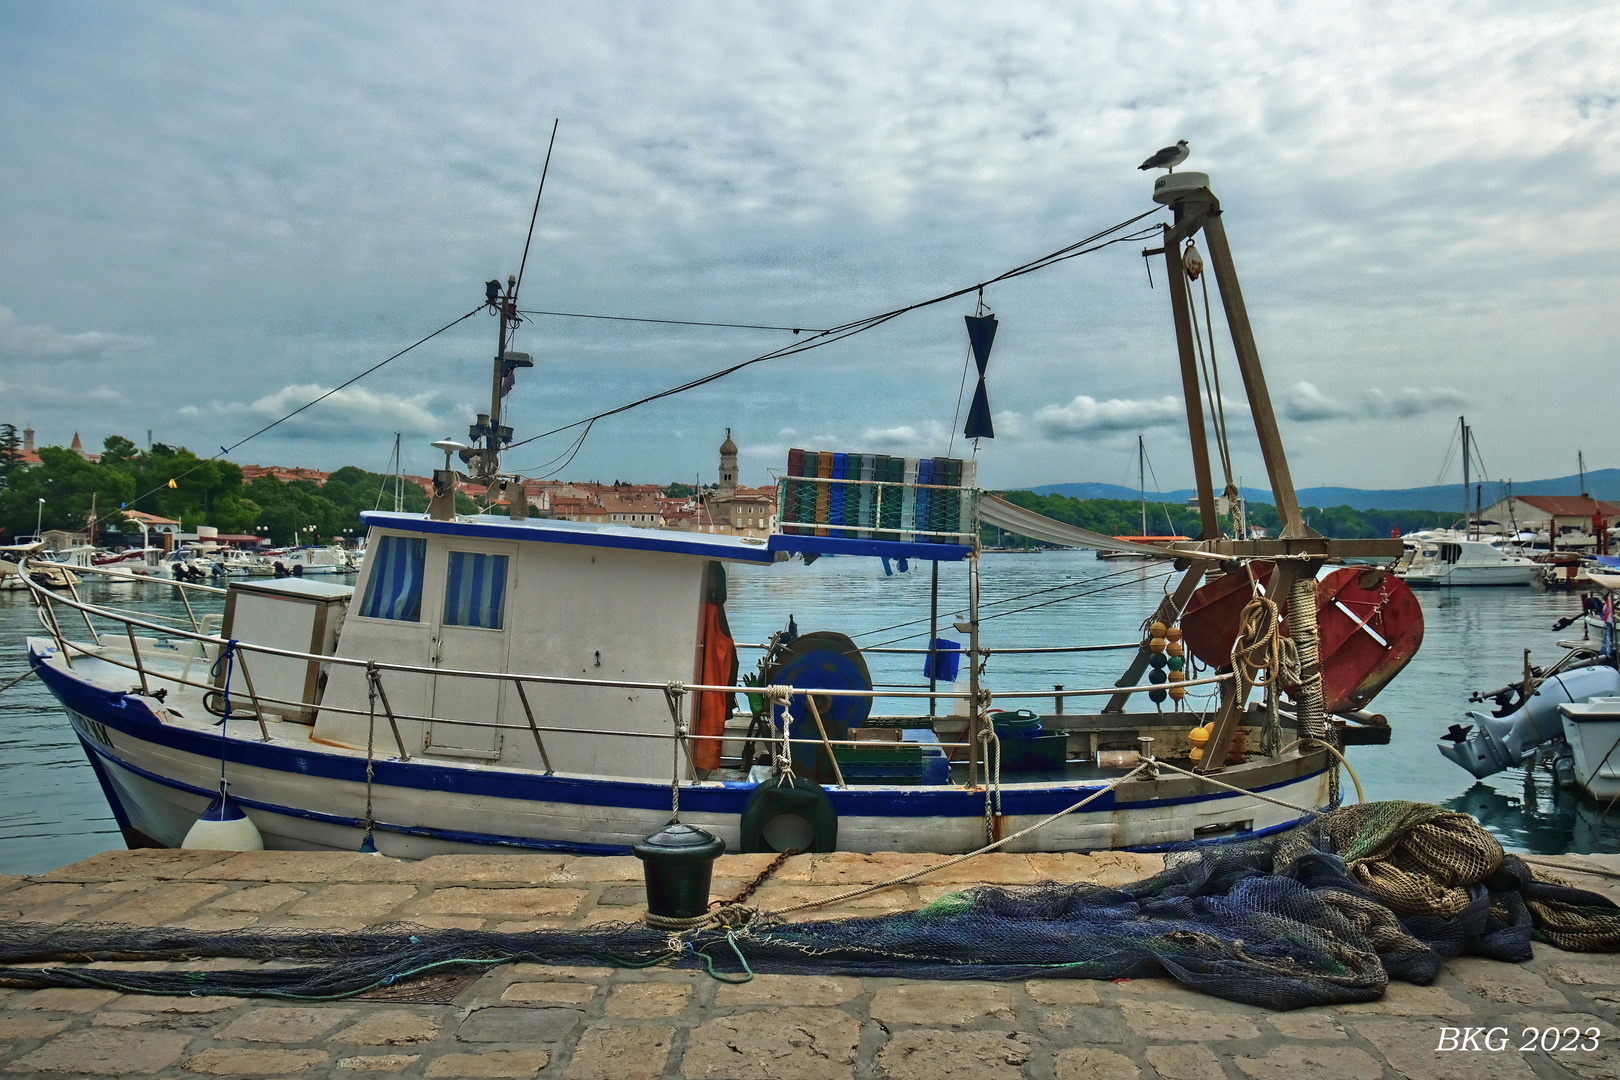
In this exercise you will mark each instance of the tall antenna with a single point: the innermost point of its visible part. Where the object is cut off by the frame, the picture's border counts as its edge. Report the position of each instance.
(532, 217)
(488, 426)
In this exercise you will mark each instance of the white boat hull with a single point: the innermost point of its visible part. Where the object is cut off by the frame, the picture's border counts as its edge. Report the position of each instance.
(159, 771)
(1592, 730)
(1446, 577)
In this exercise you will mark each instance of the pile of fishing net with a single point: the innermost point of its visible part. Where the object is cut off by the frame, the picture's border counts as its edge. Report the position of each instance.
(1327, 912)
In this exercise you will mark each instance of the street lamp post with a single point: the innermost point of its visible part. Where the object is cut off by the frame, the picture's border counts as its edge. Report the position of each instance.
(39, 516)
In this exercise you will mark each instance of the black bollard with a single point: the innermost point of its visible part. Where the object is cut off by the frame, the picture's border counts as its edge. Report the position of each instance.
(678, 861)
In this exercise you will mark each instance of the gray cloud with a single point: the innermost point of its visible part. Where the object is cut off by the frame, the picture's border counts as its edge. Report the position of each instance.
(1085, 416)
(351, 407)
(43, 342)
(800, 165)
(1305, 403)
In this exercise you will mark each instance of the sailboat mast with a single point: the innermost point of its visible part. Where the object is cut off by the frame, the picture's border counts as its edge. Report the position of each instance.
(1141, 481)
(1463, 420)
(399, 478)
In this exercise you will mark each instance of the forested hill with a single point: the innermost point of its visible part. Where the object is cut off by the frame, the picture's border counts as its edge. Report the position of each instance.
(1123, 517)
(1600, 484)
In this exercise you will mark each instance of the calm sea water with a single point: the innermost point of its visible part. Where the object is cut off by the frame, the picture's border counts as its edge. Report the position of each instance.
(52, 812)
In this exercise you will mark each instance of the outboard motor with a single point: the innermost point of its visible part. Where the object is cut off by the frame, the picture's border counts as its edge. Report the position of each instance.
(1493, 743)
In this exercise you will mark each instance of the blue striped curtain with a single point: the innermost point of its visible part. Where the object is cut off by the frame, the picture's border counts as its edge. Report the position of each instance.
(394, 589)
(475, 590)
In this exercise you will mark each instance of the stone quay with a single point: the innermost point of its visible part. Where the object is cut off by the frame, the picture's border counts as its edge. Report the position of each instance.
(599, 1023)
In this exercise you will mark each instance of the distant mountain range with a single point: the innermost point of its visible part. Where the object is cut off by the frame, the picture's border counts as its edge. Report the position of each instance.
(1600, 484)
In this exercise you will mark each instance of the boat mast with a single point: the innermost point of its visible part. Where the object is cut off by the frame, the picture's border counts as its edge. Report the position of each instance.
(488, 427)
(399, 478)
(1463, 421)
(1141, 483)
(1302, 550)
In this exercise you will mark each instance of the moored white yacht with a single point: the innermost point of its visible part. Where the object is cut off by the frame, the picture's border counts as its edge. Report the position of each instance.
(1450, 558)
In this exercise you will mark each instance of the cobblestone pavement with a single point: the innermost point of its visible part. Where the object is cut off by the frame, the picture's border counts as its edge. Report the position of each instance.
(601, 1024)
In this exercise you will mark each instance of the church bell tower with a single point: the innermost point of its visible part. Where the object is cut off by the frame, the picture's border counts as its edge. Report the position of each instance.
(728, 468)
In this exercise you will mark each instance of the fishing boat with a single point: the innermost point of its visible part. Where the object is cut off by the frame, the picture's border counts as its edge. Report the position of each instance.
(539, 684)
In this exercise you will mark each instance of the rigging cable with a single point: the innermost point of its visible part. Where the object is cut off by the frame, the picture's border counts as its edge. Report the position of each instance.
(670, 322)
(1033, 607)
(1082, 583)
(1159, 488)
(533, 217)
(1217, 416)
(523, 263)
(839, 333)
(316, 401)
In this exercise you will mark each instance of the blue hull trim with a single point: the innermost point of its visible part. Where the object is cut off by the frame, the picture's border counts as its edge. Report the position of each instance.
(130, 716)
(921, 550)
(537, 530)
(451, 835)
(113, 801)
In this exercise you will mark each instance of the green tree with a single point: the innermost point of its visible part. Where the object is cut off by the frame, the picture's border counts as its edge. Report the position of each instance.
(10, 450)
(68, 484)
(118, 451)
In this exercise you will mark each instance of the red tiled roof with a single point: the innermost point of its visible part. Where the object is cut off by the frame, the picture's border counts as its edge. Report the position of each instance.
(1571, 505)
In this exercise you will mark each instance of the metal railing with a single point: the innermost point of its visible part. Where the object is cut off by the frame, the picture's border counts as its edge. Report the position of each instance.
(674, 690)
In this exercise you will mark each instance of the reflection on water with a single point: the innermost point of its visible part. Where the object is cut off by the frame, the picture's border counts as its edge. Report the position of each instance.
(52, 811)
(1541, 816)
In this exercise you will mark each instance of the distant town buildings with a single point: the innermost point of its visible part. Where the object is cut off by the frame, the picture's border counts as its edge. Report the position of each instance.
(730, 509)
(27, 455)
(251, 473)
(726, 509)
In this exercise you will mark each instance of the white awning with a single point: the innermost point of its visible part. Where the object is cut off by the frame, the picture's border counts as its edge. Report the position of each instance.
(1003, 514)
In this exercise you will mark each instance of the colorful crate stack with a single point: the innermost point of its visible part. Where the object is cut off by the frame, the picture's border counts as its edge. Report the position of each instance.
(883, 498)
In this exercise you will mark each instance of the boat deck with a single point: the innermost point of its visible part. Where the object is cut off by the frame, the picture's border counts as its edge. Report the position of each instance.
(532, 1019)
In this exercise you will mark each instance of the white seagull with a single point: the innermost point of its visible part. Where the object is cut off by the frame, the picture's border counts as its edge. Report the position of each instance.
(1168, 158)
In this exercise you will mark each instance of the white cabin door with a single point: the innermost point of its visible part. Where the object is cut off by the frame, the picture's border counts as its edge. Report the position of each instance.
(471, 635)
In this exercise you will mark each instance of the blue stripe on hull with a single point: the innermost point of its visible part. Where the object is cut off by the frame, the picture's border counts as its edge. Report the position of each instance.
(114, 802)
(452, 836)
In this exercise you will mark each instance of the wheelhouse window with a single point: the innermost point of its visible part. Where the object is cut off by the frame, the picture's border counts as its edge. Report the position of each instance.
(475, 590)
(394, 589)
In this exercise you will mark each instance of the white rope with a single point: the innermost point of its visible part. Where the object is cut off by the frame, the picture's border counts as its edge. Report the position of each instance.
(1241, 791)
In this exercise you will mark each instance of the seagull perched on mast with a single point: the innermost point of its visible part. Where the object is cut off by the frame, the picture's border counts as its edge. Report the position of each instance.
(1168, 158)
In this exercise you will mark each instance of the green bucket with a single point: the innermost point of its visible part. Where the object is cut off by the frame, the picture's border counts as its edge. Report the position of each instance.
(1022, 722)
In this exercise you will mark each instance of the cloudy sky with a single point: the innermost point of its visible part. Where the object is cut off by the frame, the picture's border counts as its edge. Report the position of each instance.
(212, 213)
